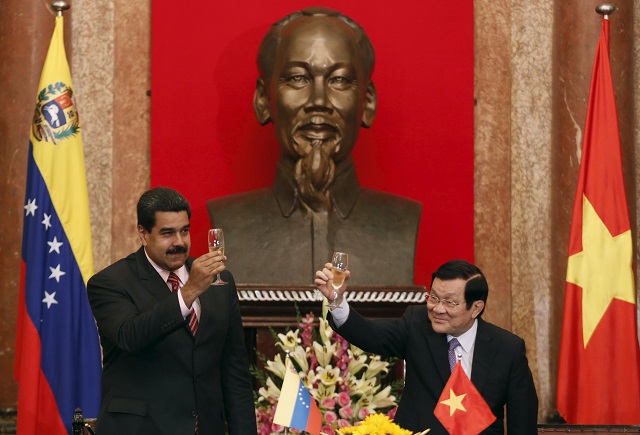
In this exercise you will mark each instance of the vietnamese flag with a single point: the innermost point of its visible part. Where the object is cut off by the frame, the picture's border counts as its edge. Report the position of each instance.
(599, 367)
(461, 409)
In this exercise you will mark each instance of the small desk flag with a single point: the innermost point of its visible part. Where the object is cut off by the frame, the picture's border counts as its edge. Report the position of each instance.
(296, 407)
(461, 409)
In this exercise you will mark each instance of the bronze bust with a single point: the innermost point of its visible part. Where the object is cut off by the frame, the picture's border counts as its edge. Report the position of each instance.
(315, 87)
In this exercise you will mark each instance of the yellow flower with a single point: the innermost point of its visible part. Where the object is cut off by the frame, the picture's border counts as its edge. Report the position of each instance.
(376, 424)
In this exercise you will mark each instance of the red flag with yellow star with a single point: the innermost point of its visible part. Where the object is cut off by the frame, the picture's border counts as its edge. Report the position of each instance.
(599, 367)
(461, 409)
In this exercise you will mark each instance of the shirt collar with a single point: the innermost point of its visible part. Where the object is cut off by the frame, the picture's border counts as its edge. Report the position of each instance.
(345, 189)
(468, 339)
(183, 273)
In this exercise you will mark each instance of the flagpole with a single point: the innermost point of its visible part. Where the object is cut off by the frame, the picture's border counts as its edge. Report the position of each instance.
(605, 10)
(286, 364)
(59, 6)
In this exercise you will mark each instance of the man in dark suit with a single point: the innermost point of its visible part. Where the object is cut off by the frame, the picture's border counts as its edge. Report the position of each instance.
(316, 88)
(174, 358)
(493, 358)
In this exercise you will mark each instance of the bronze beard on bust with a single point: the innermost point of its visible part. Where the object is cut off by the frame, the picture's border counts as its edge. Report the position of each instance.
(315, 88)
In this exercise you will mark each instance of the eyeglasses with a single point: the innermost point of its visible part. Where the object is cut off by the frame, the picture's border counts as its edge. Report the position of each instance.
(433, 300)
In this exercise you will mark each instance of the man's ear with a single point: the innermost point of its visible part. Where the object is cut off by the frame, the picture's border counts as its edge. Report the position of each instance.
(477, 308)
(261, 103)
(370, 105)
(142, 233)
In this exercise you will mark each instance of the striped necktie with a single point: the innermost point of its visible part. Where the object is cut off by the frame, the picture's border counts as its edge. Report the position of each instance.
(174, 282)
(452, 352)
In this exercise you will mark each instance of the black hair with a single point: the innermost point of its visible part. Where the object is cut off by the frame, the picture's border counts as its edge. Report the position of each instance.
(160, 199)
(476, 287)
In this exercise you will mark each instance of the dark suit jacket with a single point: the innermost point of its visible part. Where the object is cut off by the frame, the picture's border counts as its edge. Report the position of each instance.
(156, 375)
(500, 370)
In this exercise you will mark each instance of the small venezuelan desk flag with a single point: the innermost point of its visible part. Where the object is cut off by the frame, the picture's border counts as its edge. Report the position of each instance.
(461, 409)
(296, 407)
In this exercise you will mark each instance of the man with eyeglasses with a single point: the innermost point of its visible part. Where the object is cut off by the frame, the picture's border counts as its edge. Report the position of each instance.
(494, 359)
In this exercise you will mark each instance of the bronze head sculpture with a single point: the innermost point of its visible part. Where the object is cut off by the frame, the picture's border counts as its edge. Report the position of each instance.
(315, 87)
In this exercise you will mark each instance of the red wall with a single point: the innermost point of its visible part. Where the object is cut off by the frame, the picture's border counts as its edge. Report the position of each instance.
(207, 143)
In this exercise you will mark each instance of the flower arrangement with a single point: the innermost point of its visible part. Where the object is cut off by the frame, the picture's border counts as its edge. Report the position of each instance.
(376, 424)
(347, 383)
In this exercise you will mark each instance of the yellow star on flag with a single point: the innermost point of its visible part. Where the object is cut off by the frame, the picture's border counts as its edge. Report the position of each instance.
(602, 269)
(454, 402)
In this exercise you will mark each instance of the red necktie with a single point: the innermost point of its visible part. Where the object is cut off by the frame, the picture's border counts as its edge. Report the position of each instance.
(175, 286)
(193, 319)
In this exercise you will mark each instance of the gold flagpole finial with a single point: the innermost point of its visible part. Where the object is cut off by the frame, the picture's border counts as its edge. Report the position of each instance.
(59, 6)
(605, 10)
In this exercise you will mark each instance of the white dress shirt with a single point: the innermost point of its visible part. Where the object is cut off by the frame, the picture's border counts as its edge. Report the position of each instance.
(464, 351)
(183, 276)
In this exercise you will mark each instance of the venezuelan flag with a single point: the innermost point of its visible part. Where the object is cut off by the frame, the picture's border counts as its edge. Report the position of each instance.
(58, 361)
(296, 407)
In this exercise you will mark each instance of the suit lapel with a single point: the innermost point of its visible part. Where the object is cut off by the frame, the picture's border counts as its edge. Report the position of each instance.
(150, 278)
(153, 282)
(439, 351)
(484, 354)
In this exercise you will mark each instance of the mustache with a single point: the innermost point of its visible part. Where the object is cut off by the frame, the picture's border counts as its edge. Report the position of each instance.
(318, 123)
(177, 250)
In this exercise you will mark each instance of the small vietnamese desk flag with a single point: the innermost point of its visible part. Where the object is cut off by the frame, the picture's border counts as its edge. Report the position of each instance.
(296, 407)
(461, 409)
(57, 362)
(599, 366)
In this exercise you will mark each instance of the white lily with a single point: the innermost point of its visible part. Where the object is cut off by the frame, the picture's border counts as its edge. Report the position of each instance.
(289, 340)
(325, 331)
(366, 386)
(328, 375)
(356, 362)
(324, 392)
(355, 384)
(324, 352)
(277, 366)
(364, 402)
(299, 354)
(384, 398)
(377, 365)
(271, 392)
(356, 350)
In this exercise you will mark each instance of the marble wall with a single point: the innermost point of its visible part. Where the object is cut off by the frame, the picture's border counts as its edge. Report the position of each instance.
(533, 63)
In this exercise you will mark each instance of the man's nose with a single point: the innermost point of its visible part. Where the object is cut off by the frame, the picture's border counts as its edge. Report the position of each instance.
(178, 239)
(319, 98)
(439, 308)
